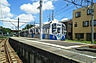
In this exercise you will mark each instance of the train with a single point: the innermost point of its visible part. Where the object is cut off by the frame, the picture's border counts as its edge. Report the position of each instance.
(53, 30)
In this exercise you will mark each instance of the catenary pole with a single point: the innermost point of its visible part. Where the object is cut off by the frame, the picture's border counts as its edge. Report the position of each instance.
(41, 19)
(18, 28)
(52, 15)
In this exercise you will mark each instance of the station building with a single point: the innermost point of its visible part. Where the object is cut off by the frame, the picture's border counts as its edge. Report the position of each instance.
(82, 24)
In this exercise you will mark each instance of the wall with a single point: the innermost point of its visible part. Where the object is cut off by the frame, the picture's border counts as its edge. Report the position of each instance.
(30, 54)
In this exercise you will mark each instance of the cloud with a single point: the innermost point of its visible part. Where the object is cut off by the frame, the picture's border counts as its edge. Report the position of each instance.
(4, 3)
(11, 23)
(64, 19)
(5, 9)
(5, 13)
(23, 18)
(33, 8)
(26, 17)
(48, 6)
(30, 8)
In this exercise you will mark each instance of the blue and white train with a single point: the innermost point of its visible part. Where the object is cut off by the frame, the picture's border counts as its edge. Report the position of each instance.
(52, 30)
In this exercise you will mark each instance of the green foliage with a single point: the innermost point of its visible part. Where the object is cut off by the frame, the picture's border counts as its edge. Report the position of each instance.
(3, 37)
(28, 26)
(5, 30)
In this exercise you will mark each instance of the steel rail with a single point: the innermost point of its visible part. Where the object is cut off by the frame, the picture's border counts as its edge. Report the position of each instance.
(7, 52)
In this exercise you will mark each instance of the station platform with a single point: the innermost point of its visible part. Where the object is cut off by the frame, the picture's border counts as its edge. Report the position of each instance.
(79, 52)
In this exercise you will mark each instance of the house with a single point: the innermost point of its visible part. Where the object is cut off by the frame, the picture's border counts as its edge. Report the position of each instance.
(82, 23)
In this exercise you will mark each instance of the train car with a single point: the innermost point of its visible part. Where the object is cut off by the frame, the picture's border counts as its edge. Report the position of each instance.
(52, 30)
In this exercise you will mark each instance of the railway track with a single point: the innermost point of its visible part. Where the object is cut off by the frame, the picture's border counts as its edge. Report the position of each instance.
(7, 54)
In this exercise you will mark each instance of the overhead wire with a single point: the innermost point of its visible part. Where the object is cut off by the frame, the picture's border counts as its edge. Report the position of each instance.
(16, 21)
(66, 9)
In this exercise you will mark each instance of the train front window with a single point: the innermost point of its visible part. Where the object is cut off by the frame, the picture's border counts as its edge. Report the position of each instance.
(54, 28)
(58, 24)
(58, 30)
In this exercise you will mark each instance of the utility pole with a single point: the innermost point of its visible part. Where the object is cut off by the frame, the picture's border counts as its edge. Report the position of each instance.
(92, 22)
(41, 18)
(18, 28)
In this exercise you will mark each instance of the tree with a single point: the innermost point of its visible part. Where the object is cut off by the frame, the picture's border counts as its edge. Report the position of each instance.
(5, 30)
(28, 26)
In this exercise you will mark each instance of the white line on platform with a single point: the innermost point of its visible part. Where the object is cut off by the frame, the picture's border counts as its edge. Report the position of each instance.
(59, 46)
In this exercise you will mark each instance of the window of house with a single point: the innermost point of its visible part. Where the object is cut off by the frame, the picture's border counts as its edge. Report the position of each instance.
(75, 24)
(88, 36)
(78, 14)
(85, 23)
(88, 11)
(94, 22)
(79, 35)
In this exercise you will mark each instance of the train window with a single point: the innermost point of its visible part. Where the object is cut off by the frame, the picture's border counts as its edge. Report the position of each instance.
(63, 29)
(36, 30)
(58, 24)
(54, 25)
(31, 30)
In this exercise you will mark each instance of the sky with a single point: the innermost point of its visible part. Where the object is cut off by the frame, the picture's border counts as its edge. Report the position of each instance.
(27, 11)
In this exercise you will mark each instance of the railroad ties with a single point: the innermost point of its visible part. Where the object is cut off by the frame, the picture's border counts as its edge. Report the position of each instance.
(7, 54)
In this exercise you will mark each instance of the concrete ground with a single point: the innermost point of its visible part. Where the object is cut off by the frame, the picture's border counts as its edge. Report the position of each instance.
(76, 51)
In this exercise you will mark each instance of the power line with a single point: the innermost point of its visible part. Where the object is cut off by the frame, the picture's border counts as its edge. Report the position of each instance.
(62, 9)
(13, 21)
(81, 4)
(65, 10)
(13, 24)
